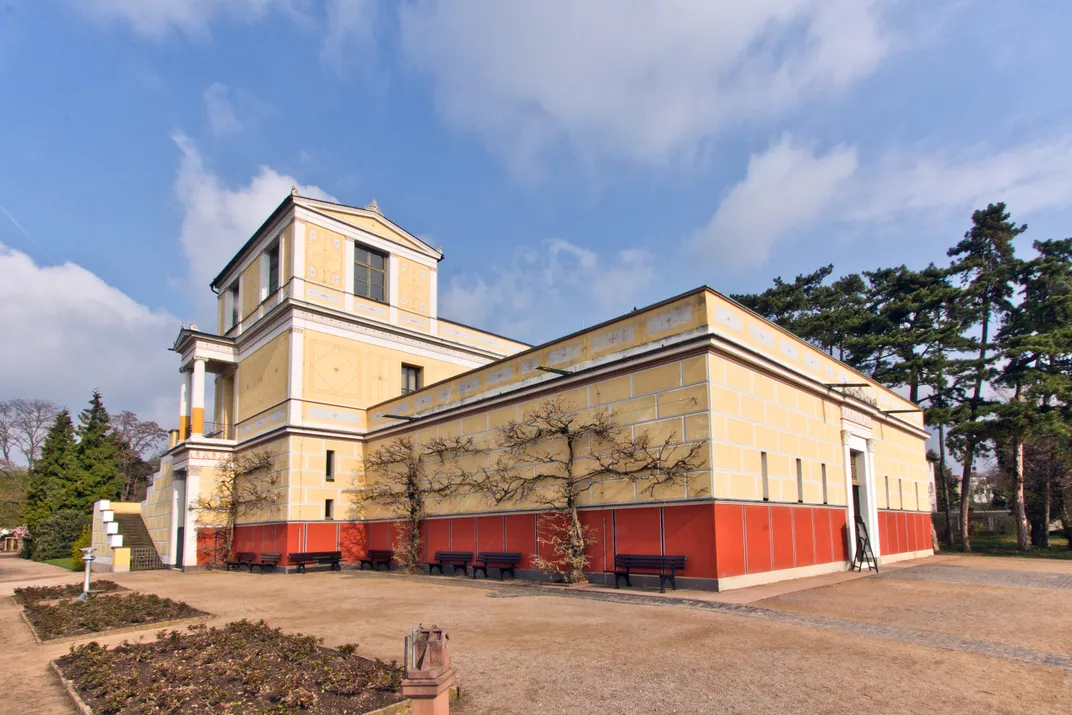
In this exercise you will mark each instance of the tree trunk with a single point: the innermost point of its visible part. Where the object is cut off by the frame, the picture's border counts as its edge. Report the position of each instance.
(945, 485)
(576, 547)
(1047, 511)
(969, 453)
(1023, 531)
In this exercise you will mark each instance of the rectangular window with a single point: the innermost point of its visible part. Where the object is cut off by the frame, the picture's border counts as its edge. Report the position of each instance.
(824, 484)
(916, 484)
(800, 482)
(329, 509)
(273, 269)
(370, 274)
(900, 493)
(766, 479)
(236, 308)
(329, 466)
(888, 504)
(411, 379)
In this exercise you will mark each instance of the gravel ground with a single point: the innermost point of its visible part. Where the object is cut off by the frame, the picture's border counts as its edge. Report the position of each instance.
(518, 650)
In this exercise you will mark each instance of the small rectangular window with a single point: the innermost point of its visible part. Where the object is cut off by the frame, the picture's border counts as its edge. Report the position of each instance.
(889, 504)
(824, 484)
(766, 479)
(916, 484)
(370, 274)
(800, 481)
(411, 379)
(329, 509)
(273, 269)
(329, 466)
(900, 493)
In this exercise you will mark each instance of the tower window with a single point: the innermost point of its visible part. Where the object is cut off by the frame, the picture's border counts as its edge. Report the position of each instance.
(766, 479)
(800, 481)
(329, 466)
(411, 379)
(273, 269)
(370, 274)
(824, 484)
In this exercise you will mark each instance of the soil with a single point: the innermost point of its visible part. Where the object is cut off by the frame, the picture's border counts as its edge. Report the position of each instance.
(241, 668)
(73, 618)
(38, 594)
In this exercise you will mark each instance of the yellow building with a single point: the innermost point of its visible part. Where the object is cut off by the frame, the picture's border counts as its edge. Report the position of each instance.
(329, 341)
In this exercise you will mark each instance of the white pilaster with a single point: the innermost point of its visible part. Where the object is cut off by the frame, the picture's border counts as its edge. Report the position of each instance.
(348, 275)
(263, 272)
(850, 509)
(298, 286)
(868, 496)
(393, 275)
(189, 549)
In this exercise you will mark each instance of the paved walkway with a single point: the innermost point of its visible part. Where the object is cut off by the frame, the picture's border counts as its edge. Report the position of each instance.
(1001, 578)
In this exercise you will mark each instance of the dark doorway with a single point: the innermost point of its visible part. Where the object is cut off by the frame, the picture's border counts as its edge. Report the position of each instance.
(180, 541)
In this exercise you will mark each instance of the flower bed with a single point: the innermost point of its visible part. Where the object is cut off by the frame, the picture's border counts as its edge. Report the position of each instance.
(36, 594)
(73, 618)
(242, 667)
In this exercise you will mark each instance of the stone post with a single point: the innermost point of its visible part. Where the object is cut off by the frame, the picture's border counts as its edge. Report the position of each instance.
(429, 673)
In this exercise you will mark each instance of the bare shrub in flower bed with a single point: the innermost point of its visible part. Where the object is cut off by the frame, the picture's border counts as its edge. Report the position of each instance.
(243, 667)
(36, 594)
(73, 618)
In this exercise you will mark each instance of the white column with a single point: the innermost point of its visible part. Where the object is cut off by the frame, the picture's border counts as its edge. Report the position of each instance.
(871, 503)
(851, 510)
(184, 402)
(197, 398)
(189, 548)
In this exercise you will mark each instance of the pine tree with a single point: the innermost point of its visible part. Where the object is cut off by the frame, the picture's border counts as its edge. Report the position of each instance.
(986, 264)
(54, 476)
(97, 455)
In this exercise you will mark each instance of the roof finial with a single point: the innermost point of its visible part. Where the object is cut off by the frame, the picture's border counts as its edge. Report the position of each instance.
(373, 206)
(293, 190)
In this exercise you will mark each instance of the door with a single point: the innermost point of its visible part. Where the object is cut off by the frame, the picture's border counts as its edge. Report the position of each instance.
(179, 544)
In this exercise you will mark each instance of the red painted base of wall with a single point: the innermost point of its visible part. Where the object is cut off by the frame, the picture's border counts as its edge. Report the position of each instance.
(721, 540)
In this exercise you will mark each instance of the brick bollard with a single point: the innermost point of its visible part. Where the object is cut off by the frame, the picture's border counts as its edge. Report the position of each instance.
(429, 674)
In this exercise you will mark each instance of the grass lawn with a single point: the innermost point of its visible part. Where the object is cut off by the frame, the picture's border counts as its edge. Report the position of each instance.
(1005, 545)
(67, 563)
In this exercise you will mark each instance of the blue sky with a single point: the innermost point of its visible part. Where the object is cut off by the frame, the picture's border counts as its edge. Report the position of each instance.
(573, 160)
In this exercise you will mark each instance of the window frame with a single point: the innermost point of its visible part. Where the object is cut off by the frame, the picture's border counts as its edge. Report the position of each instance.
(369, 271)
(274, 253)
(418, 371)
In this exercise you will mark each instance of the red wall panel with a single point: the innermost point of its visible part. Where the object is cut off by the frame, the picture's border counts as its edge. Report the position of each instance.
(600, 524)
(757, 533)
(521, 536)
(729, 540)
(380, 535)
(839, 532)
(804, 535)
(437, 536)
(490, 533)
(353, 541)
(782, 536)
(636, 531)
(824, 536)
(322, 537)
(690, 530)
(886, 545)
(463, 534)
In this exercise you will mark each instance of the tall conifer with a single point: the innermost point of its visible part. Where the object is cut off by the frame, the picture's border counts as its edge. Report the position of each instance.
(98, 456)
(55, 474)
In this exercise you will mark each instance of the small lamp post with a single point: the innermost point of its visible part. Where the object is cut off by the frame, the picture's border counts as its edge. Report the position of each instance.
(87, 558)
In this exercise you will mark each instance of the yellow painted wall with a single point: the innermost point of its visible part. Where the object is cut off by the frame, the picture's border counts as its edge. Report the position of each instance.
(325, 253)
(307, 483)
(156, 510)
(414, 287)
(349, 373)
(262, 377)
(669, 400)
(251, 288)
(377, 227)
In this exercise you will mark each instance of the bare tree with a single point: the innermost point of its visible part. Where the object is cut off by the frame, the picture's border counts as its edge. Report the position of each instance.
(408, 477)
(141, 442)
(24, 425)
(555, 453)
(245, 484)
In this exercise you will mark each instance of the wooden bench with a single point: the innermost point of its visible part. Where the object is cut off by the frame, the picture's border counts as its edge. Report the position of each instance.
(265, 561)
(304, 558)
(242, 558)
(376, 557)
(664, 566)
(504, 561)
(454, 559)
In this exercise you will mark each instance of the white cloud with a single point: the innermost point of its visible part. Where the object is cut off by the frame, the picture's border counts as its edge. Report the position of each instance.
(547, 291)
(218, 219)
(67, 332)
(788, 190)
(638, 81)
(220, 111)
(349, 30)
(785, 189)
(157, 19)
